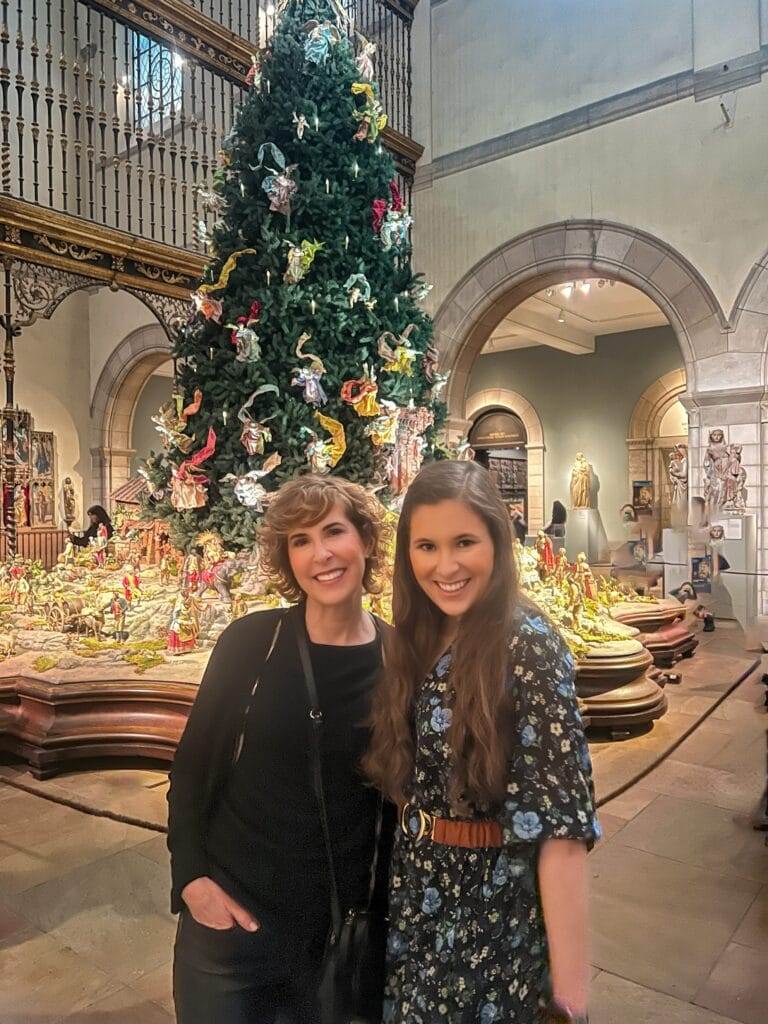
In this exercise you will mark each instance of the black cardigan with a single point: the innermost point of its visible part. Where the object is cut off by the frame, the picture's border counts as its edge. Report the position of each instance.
(205, 754)
(214, 726)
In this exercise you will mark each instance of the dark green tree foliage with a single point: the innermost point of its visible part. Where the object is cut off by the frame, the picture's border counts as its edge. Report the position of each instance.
(337, 179)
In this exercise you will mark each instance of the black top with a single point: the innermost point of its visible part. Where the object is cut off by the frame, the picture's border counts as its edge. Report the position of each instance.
(253, 823)
(83, 539)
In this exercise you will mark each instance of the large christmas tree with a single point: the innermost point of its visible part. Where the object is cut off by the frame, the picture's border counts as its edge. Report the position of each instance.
(306, 350)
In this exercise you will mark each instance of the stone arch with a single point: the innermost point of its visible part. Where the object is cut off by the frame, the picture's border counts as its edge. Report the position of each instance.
(124, 375)
(511, 401)
(654, 403)
(644, 455)
(750, 317)
(557, 252)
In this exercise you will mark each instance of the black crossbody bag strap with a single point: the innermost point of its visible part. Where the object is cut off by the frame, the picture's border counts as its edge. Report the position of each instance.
(316, 719)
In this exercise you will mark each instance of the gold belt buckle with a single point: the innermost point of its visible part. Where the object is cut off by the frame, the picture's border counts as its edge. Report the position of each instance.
(426, 822)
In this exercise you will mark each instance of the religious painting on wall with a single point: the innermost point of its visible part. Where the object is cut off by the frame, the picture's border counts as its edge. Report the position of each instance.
(642, 497)
(701, 574)
(42, 503)
(42, 454)
(638, 551)
(22, 430)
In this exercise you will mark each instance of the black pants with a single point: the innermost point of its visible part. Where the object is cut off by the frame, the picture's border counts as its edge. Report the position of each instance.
(240, 977)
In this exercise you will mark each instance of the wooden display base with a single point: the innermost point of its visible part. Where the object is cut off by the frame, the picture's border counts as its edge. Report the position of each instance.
(618, 694)
(53, 725)
(662, 630)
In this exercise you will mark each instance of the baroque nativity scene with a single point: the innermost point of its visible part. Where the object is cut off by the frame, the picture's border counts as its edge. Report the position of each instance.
(305, 349)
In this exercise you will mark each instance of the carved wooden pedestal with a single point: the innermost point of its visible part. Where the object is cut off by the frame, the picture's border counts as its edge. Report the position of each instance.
(617, 692)
(662, 630)
(54, 725)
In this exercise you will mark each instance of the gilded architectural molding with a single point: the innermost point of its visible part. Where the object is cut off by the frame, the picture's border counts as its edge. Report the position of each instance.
(36, 235)
(38, 290)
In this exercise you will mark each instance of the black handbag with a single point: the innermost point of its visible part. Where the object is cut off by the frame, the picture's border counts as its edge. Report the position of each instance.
(351, 984)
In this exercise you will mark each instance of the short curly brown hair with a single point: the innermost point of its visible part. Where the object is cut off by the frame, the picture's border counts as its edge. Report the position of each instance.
(304, 502)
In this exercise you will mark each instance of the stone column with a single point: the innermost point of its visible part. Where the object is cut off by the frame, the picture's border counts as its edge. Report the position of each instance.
(537, 514)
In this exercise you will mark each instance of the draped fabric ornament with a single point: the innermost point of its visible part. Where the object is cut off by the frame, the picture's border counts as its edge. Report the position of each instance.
(401, 358)
(171, 421)
(383, 430)
(321, 36)
(188, 484)
(226, 270)
(300, 259)
(244, 338)
(362, 394)
(301, 123)
(209, 308)
(364, 59)
(323, 456)
(379, 212)
(249, 491)
(358, 289)
(407, 454)
(371, 117)
(255, 434)
(309, 377)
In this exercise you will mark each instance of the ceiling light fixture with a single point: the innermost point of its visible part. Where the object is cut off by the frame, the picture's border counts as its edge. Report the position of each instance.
(584, 287)
(550, 292)
(566, 290)
(612, 284)
(561, 317)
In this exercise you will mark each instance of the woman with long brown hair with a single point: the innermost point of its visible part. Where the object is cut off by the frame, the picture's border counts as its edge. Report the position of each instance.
(478, 739)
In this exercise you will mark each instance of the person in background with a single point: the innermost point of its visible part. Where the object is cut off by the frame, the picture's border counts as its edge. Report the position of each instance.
(559, 516)
(97, 517)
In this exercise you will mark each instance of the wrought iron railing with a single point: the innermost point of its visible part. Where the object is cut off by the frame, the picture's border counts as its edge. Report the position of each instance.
(114, 110)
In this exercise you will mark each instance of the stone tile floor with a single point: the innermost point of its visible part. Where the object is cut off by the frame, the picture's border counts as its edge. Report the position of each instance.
(679, 889)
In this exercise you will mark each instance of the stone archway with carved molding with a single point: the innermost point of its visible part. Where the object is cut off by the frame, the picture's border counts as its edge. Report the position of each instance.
(120, 383)
(557, 252)
(643, 440)
(501, 398)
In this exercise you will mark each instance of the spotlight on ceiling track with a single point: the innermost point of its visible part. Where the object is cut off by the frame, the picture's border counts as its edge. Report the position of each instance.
(561, 317)
(584, 287)
(567, 290)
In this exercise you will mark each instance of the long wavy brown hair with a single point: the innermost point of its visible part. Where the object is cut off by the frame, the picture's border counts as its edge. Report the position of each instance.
(479, 729)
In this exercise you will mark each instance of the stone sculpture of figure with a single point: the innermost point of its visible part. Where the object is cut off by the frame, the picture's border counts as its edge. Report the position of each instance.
(678, 476)
(725, 478)
(581, 482)
(735, 489)
(69, 502)
(716, 462)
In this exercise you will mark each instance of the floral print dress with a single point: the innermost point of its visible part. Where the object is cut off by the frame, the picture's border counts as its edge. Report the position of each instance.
(467, 942)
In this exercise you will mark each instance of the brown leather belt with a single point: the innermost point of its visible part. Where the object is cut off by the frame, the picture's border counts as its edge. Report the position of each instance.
(418, 825)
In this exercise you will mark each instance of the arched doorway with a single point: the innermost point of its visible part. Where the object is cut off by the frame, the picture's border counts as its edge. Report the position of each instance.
(138, 356)
(500, 440)
(510, 401)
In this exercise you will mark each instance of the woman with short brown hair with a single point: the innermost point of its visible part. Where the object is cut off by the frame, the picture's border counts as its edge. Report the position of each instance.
(249, 864)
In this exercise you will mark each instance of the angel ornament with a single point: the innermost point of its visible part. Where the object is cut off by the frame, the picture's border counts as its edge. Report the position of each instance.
(301, 123)
(364, 60)
(358, 288)
(323, 456)
(255, 434)
(309, 377)
(362, 394)
(244, 338)
(249, 490)
(401, 358)
(321, 36)
(189, 483)
(278, 184)
(300, 259)
(383, 430)
(171, 421)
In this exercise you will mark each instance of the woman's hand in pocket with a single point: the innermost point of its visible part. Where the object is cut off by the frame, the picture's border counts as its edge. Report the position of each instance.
(211, 907)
